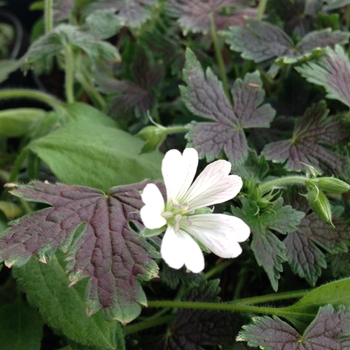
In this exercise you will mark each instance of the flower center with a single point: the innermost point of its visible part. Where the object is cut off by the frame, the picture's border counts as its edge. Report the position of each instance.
(175, 212)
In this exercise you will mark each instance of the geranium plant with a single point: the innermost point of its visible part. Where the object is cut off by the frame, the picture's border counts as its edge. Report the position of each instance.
(188, 185)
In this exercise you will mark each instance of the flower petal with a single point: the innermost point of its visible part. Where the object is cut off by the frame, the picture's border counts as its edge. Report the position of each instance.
(214, 185)
(178, 171)
(178, 249)
(151, 213)
(220, 233)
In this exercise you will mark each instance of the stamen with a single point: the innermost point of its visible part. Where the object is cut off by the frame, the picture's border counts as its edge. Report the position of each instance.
(167, 214)
(177, 222)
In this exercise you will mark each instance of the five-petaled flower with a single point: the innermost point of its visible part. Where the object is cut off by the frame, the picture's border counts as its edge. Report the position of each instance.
(182, 215)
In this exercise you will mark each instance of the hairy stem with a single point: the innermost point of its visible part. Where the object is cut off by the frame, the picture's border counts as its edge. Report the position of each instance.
(48, 15)
(176, 129)
(69, 83)
(261, 9)
(223, 307)
(32, 95)
(148, 324)
(282, 182)
(219, 56)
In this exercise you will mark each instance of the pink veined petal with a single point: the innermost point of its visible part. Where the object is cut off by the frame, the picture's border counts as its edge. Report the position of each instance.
(151, 212)
(178, 171)
(214, 185)
(220, 233)
(178, 249)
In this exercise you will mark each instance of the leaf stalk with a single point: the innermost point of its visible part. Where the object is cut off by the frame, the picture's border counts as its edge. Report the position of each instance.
(266, 187)
(261, 9)
(48, 15)
(69, 80)
(219, 56)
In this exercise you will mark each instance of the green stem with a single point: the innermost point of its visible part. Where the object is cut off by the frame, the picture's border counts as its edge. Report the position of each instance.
(271, 297)
(348, 17)
(225, 307)
(176, 129)
(48, 15)
(218, 268)
(219, 56)
(235, 306)
(94, 95)
(15, 171)
(33, 95)
(281, 182)
(69, 74)
(148, 324)
(261, 9)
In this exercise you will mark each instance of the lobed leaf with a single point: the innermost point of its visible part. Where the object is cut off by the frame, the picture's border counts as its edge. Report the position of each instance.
(332, 71)
(260, 41)
(194, 16)
(269, 251)
(205, 97)
(41, 53)
(131, 98)
(329, 330)
(62, 9)
(94, 230)
(311, 134)
(131, 13)
(334, 4)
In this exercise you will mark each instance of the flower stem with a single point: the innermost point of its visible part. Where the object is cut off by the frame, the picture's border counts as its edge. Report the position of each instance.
(69, 74)
(281, 182)
(133, 328)
(218, 268)
(32, 94)
(271, 297)
(261, 9)
(176, 129)
(223, 307)
(48, 15)
(219, 56)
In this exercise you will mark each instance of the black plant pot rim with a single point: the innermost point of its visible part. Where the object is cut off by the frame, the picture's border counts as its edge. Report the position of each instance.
(19, 42)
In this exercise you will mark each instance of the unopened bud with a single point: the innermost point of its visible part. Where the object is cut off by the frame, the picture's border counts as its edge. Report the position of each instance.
(320, 205)
(332, 185)
(154, 137)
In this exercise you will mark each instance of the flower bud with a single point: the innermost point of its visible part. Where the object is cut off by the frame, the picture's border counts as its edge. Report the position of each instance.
(332, 185)
(320, 205)
(154, 137)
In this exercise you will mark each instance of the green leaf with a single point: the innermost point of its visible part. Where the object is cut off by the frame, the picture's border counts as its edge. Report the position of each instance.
(21, 327)
(94, 155)
(328, 331)
(205, 97)
(95, 230)
(269, 251)
(131, 13)
(41, 53)
(64, 308)
(103, 24)
(332, 71)
(80, 112)
(18, 122)
(7, 67)
(303, 311)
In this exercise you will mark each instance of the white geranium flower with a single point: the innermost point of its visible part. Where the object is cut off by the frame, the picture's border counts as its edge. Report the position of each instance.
(181, 217)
